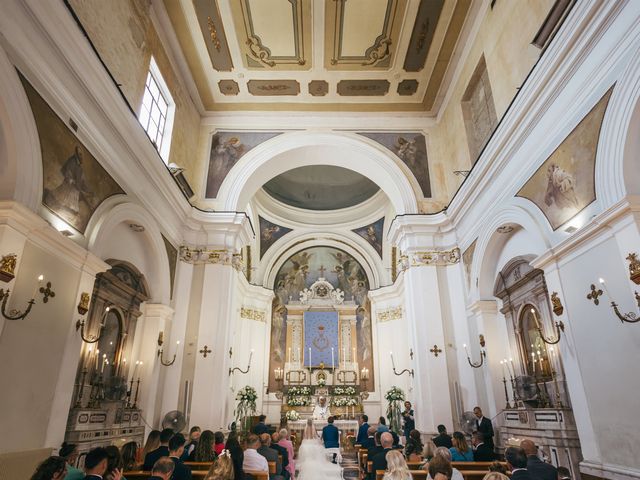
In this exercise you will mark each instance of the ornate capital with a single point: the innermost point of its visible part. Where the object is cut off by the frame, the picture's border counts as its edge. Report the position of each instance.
(389, 314)
(197, 256)
(252, 314)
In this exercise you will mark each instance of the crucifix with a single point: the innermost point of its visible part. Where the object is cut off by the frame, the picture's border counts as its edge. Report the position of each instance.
(435, 350)
(322, 270)
(206, 350)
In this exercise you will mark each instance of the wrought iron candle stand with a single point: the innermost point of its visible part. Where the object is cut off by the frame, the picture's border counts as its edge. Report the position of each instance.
(81, 388)
(135, 399)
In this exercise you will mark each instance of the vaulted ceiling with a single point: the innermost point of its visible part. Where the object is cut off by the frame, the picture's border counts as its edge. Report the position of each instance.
(322, 55)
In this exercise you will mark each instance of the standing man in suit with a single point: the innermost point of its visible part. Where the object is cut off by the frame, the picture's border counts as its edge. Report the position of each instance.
(261, 427)
(536, 467)
(484, 426)
(482, 452)
(362, 429)
(95, 464)
(517, 462)
(443, 439)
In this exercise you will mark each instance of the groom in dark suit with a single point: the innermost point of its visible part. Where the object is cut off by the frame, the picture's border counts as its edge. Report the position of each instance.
(331, 435)
(485, 427)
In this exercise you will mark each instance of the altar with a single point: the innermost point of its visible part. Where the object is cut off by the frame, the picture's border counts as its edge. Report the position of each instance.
(322, 356)
(348, 428)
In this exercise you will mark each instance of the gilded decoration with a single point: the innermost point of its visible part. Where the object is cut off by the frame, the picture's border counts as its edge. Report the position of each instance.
(389, 314)
(634, 268)
(430, 258)
(8, 267)
(422, 34)
(198, 256)
(213, 34)
(273, 87)
(557, 304)
(252, 314)
(83, 304)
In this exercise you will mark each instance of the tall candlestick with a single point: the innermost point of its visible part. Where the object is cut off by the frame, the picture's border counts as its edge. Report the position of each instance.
(332, 363)
(104, 357)
(606, 290)
(533, 360)
(535, 318)
(464, 345)
(513, 370)
(250, 356)
(38, 285)
(309, 359)
(393, 363)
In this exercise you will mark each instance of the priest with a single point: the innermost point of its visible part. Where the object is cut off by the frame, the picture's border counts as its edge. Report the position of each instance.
(321, 410)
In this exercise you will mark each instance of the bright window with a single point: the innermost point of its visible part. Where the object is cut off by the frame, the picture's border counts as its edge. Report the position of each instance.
(157, 111)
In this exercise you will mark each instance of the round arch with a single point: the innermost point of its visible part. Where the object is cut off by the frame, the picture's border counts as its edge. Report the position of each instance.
(20, 157)
(298, 149)
(154, 261)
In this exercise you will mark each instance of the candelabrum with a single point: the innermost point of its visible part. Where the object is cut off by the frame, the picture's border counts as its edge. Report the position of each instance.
(504, 381)
(135, 399)
(554, 375)
(81, 388)
(406, 370)
(7, 273)
(483, 355)
(80, 324)
(161, 351)
(559, 329)
(278, 374)
(364, 378)
(232, 370)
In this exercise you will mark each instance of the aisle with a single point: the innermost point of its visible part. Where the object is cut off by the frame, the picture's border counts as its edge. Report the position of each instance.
(349, 465)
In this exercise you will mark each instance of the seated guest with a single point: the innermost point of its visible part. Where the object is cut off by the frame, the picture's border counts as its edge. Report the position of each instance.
(282, 451)
(270, 454)
(444, 456)
(443, 439)
(205, 450)
(53, 468)
(237, 455)
(218, 442)
(373, 451)
(429, 450)
(382, 425)
(413, 448)
(564, 473)
(397, 468)
(537, 468)
(440, 469)
(162, 451)
(95, 464)
(176, 449)
(370, 441)
(69, 452)
(114, 463)
(516, 460)
(363, 429)
(194, 435)
(380, 459)
(222, 468)
(252, 459)
(162, 469)
(482, 452)
(460, 452)
(128, 452)
(396, 439)
(288, 445)
(260, 427)
(153, 442)
(498, 467)
(495, 476)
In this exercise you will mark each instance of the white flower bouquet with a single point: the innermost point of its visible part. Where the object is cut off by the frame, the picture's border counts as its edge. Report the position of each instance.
(292, 415)
(246, 397)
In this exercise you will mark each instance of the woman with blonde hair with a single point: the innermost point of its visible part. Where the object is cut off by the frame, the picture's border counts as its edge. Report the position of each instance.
(222, 468)
(495, 476)
(397, 468)
(429, 450)
(153, 442)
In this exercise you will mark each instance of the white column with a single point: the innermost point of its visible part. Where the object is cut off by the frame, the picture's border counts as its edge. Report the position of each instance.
(155, 318)
(173, 374)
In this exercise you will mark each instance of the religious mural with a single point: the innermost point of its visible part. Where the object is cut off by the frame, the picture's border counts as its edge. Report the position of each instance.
(226, 149)
(270, 233)
(74, 183)
(300, 271)
(372, 233)
(565, 183)
(467, 260)
(411, 148)
(172, 255)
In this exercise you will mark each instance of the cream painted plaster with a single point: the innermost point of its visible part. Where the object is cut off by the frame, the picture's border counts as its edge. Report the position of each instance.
(125, 38)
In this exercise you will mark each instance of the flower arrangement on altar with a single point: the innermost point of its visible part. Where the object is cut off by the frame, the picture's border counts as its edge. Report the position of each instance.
(292, 415)
(321, 382)
(299, 391)
(246, 397)
(298, 401)
(344, 402)
(395, 397)
(344, 391)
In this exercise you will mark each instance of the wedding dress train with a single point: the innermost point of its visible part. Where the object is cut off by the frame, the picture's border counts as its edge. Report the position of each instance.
(312, 462)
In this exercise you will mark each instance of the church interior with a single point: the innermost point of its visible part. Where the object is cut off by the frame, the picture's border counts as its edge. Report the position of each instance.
(216, 210)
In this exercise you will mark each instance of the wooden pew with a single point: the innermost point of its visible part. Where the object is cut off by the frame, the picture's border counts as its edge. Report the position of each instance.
(415, 465)
(199, 465)
(255, 474)
(422, 474)
(463, 466)
(195, 474)
(272, 467)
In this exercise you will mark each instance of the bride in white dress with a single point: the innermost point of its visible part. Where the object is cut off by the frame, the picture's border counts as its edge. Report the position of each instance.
(312, 462)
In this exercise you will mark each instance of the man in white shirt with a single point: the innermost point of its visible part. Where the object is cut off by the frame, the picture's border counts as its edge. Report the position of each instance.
(321, 410)
(252, 459)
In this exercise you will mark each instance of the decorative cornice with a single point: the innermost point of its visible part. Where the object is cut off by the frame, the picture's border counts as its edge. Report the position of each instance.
(199, 256)
(389, 314)
(429, 258)
(252, 314)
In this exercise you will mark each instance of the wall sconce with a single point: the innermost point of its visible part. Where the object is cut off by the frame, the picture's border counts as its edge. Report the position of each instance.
(559, 329)
(17, 314)
(406, 370)
(160, 351)
(483, 354)
(624, 317)
(92, 338)
(231, 370)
